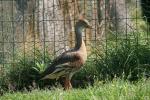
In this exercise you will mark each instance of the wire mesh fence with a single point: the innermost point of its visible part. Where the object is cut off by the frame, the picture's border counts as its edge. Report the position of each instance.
(48, 25)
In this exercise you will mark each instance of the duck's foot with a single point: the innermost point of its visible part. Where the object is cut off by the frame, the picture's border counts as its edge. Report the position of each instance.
(67, 84)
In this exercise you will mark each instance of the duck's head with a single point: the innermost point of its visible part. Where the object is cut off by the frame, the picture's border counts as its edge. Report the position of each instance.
(84, 23)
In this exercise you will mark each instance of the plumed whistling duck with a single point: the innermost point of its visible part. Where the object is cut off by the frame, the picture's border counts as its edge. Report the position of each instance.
(69, 62)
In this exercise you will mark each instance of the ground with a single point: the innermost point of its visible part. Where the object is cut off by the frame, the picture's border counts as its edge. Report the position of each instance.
(116, 90)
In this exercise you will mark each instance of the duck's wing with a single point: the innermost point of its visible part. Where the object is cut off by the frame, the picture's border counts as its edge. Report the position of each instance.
(60, 64)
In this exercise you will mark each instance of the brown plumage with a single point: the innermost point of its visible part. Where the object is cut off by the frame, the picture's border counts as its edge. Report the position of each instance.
(70, 61)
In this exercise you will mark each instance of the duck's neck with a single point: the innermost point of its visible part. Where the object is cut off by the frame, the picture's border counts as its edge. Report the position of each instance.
(78, 33)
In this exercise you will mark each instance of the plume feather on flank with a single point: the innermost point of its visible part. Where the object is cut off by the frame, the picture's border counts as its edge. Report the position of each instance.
(60, 66)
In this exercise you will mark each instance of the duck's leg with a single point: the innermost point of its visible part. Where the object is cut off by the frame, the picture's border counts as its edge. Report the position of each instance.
(67, 84)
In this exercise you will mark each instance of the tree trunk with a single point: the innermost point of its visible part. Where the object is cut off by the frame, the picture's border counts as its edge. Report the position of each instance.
(116, 15)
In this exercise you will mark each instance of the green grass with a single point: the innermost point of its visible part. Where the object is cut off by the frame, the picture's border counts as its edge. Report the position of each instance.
(115, 90)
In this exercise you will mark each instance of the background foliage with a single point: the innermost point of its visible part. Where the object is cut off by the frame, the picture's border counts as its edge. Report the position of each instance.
(120, 48)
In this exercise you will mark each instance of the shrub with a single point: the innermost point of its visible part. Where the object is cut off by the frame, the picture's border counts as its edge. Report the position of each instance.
(23, 72)
(128, 61)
